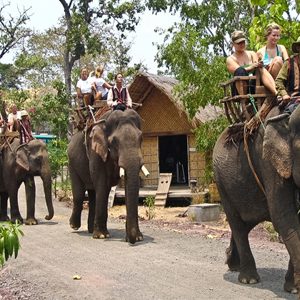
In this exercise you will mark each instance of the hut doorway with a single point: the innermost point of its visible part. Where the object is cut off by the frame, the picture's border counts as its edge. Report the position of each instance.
(173, 157)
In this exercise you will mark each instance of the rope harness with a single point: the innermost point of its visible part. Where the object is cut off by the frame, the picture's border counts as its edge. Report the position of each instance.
(252, 101)
(250, 162)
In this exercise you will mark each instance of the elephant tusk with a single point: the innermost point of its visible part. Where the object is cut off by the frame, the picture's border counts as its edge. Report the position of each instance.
(122, 172)
(145, 171)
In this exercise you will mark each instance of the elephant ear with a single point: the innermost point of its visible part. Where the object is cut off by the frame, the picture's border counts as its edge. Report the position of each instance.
(99, 142)
(277, 146)
(22, 158)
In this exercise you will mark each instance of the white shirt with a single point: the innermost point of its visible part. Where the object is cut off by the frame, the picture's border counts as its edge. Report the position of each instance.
(99, 82)
(85, 86)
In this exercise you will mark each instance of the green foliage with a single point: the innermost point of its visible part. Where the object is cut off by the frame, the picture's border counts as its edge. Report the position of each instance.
(208, 133)
(149, 203)
(58, 158)
(9, 76)
(9, 241)
(281, 12)
(51, 108)
(206, 137)
(17, 97)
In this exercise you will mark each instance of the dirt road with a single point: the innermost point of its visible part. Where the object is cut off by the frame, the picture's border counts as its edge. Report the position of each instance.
(168, 264)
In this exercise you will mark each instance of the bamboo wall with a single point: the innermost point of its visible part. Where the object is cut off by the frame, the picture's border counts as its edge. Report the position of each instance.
(161, 117)
(196, 160)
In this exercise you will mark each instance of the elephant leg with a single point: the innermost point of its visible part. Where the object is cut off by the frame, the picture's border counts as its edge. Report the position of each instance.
(91, 215)
(240, 230)
(232, 256)
(14, 205)
(3, 209)
(289, 284)
(100, 224)
(30, 201)
(78, 191)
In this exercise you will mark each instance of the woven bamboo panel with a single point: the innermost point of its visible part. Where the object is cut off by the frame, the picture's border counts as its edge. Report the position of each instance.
(196, 160)
(159, 114)
(150, 155)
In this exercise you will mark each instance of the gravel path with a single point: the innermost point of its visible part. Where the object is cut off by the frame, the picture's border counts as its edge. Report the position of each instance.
(171, 263)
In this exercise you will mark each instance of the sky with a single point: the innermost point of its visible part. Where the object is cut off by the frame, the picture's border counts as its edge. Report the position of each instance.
(45, 13)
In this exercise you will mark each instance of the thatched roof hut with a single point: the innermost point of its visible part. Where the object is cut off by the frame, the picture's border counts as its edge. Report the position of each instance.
(144, 83)
(169, 144)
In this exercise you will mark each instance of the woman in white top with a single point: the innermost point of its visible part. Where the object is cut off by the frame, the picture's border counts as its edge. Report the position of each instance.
(272, 54)
(101, 86)
(84, 87)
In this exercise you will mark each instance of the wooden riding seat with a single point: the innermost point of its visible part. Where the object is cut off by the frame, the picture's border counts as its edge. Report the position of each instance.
(239, 108)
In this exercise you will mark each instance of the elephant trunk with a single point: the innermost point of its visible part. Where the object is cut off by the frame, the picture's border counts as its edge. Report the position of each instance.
(47, 184)
(132, 184)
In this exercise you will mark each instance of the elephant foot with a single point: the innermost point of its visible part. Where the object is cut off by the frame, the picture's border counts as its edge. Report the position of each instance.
(4, 218)
(75, 223)
(100, 234)
(249, 277)
(31, 221)
(15, 219)
(138, 238)
(290, 287)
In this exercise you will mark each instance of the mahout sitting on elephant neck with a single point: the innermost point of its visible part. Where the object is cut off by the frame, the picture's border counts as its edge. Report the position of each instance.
(113, 144)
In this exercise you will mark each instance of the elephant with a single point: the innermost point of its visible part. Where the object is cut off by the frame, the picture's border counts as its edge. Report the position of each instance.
(258, 180)
(20, 163)
(98, 158)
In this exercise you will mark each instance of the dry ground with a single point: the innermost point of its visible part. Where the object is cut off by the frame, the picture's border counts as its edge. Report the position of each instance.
(176, 219)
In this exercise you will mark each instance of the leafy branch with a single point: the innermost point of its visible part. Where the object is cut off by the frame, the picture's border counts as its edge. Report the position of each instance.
(9, 240)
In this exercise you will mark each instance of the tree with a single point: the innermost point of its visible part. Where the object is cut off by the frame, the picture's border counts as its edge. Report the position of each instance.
(12, 30)
(41, 59)
(194, 49)
(79, 17)
(283, 12)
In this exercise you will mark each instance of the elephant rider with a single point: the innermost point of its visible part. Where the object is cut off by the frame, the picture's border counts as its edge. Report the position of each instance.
(244, 63)
(118, 96)
(12, 118)
(25, 127)
(100, 85)
(288, 80)
(84, 88)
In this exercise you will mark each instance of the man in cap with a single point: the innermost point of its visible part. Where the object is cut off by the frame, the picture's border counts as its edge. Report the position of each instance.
(288, 80)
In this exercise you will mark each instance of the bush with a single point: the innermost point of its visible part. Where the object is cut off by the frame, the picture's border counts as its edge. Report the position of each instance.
(206, 137)
(150, 207)
(58, 159)
(9, 240)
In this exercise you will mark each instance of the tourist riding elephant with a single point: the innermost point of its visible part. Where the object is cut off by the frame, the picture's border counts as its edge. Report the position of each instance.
(20, 163)
(260, 183)
(97, 160)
